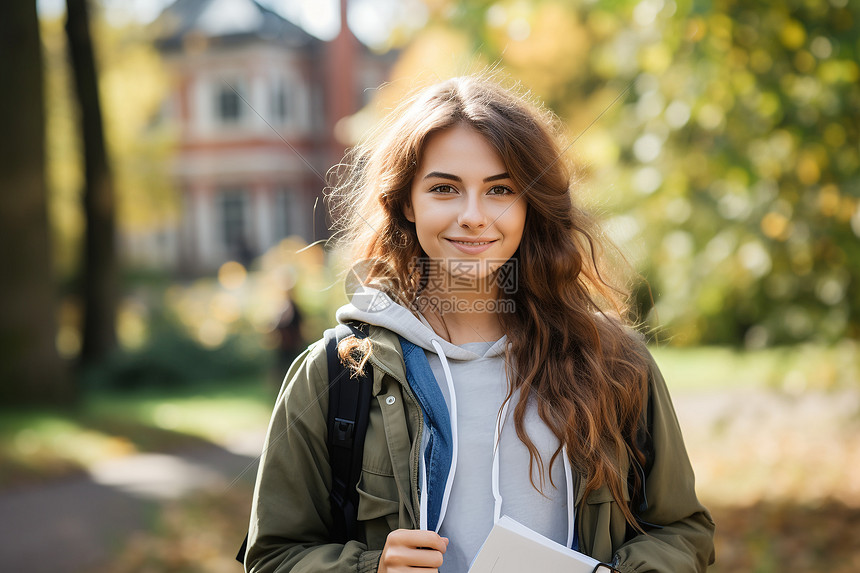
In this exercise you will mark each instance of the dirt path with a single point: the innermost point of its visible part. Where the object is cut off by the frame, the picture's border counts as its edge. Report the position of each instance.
(77, 524)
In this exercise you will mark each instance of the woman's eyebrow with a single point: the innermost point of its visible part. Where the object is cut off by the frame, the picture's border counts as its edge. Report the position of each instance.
(440, 175)
(504, 175)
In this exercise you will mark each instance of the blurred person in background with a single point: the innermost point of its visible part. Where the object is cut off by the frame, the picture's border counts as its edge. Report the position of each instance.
(288, 333)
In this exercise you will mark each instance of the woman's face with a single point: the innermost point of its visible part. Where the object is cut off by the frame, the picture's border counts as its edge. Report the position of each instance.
(468, 214)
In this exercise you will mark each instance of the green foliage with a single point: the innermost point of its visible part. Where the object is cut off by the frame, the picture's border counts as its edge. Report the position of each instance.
(730, 171)
(173, 360)
(763, 249)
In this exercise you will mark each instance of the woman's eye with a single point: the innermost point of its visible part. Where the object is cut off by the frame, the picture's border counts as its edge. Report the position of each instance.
(501, 190)
(444, 189)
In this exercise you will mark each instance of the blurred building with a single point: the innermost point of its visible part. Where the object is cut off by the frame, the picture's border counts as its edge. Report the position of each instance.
(256, 102)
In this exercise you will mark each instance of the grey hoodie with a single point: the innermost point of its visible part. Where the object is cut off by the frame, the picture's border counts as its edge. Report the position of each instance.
(474, 384)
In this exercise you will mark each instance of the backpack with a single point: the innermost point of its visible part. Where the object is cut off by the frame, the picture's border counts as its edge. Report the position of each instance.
(348, 412)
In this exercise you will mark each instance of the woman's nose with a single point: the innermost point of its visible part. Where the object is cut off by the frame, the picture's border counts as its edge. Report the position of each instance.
(473, 215)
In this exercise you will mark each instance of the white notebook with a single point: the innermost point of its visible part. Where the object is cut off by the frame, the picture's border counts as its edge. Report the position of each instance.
(512, 547)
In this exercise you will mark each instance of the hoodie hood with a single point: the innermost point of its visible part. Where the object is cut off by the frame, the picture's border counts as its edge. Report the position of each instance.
(377, 308)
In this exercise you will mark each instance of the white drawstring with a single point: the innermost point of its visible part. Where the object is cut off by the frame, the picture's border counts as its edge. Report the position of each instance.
(422, 500)
(497, 496)
(568, 478)
(454, 448)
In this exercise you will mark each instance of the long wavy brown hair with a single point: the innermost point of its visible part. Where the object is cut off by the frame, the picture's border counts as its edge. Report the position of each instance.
(570, 349)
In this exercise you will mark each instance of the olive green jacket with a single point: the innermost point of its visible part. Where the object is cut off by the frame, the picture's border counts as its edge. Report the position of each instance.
(290, 515)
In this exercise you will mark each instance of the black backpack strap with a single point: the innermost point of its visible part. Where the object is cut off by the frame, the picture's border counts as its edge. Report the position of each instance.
(348, 413)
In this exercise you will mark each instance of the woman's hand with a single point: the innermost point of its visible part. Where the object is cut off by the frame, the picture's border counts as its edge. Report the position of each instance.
(412, 550)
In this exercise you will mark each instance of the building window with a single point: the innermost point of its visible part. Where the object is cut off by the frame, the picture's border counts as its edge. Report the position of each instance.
(228, 105)
(282, 213)
(291, 213)
(280, 102)
(234, 224)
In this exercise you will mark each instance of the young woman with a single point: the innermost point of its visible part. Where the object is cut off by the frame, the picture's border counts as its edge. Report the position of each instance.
(505, 381)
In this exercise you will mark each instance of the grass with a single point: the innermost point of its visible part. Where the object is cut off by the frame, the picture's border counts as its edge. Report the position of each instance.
(791, 369)
(211, 415)
(42, 444)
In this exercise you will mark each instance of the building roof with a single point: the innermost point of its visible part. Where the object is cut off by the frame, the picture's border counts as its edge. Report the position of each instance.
(226, 22)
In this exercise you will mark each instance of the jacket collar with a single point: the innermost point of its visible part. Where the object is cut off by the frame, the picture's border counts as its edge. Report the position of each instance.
(386, 356)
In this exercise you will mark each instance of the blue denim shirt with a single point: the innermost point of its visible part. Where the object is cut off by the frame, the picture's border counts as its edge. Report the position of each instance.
(438, 453)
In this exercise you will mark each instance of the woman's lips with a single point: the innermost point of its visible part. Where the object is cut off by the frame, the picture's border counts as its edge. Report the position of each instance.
(471, 247)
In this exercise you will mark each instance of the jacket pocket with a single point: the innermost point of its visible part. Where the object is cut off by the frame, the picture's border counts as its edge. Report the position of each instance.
(606, 524)
(378, 506)
(377, 496)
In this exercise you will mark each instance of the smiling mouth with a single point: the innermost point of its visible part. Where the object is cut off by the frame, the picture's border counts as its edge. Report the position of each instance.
(471, 243)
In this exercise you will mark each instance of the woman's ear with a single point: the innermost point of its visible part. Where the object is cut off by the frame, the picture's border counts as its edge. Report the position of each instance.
(408, 212)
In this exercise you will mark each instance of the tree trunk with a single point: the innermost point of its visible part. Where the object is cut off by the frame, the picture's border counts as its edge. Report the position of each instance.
(99, 282)
(31, 370)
